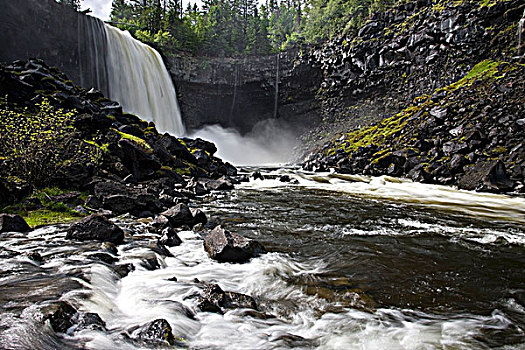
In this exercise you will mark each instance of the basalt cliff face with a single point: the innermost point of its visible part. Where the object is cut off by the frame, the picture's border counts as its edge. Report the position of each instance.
(62, 37)
(241, 92)
(430, 90)
(404, 53)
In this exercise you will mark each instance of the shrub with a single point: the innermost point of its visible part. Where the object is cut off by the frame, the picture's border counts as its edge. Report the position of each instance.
(38, 145)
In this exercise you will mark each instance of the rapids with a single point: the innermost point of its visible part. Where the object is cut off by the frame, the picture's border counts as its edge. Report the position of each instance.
(354, 263)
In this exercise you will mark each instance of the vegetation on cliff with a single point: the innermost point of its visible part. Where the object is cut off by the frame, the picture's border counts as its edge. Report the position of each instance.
(242, 27)
(469, 133)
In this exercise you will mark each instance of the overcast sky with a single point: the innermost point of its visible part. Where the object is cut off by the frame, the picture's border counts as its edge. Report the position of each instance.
(102, 8)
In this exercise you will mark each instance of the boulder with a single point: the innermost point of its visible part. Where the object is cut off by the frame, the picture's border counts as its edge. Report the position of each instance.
(59, 314)
(96, 227)
(178, 216)
(88, 321)
(225, 246)
(13, 223)
(218, 185)
(158, 330)
(198, 217)
(169, 238)
(486, 176)
(215, 299)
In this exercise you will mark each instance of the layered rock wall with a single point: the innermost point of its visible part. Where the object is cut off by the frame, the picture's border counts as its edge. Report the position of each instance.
(240, 92)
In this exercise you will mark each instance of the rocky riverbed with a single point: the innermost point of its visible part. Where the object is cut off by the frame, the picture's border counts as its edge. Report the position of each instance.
(138, 191)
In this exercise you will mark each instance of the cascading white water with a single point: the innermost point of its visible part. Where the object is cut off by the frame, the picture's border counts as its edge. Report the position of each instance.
(139, 81)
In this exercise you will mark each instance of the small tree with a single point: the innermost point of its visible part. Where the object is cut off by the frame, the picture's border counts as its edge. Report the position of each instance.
(75, 4)
(38, 147)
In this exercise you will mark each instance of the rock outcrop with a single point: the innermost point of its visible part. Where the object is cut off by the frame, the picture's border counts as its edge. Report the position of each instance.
(136, 169)
(96, 227)
(225, 246)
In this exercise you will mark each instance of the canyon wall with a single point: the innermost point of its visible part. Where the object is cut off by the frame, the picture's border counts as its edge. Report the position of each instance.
(240, 92)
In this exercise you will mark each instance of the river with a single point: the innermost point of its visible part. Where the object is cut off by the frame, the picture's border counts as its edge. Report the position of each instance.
(354, 263)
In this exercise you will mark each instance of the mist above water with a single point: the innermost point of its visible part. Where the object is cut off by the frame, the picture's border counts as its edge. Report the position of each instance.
(269, 143)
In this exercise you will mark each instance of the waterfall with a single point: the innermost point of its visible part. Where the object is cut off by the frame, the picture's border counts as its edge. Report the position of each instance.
(140, 82)
(276, 101)
(129, 72)
(235, 84)
(92, 49)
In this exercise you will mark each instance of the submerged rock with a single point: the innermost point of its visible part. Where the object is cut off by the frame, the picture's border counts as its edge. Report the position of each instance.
(13, 223)
(225, 246)
(96, 227)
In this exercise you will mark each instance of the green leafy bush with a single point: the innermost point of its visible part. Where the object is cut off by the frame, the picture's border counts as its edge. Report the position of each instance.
(38, 146)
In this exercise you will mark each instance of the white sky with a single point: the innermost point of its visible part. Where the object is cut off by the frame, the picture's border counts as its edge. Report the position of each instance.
(102, 8)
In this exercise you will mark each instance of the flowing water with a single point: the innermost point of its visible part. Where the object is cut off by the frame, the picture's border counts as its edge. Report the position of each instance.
(354, 263)
(129, 72)
(140, 82)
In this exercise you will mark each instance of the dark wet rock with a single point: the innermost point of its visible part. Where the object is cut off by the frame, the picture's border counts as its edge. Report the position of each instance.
(221, 184)
(290, 340)
(170, 238)
(215, 300)
(103, 257)
(198, 216)
(150, 263)
(225, 246)
(87, 321)
(96, 227)
(285, 178)
(257, 175)
(486, 176)
(123, 269)
(13, 223)
(60, 315)
(161, 249)
(155, 331)
(207, 305)
(177, 216)
(36, 257)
